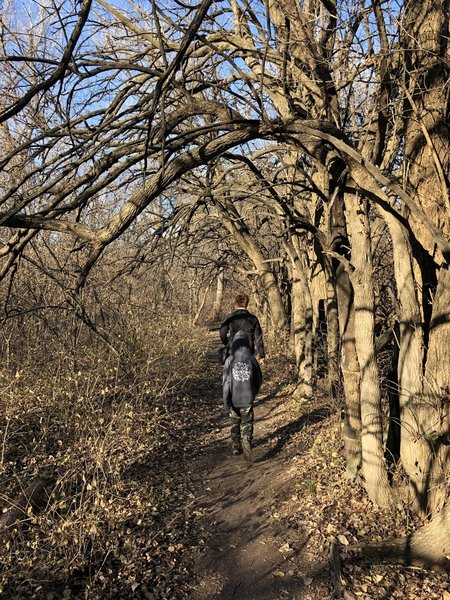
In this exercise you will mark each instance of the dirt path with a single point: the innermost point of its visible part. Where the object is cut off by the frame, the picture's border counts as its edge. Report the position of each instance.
(250, 551)
(263, 531)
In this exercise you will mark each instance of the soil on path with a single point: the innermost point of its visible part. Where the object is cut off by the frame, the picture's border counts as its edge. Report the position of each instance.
(249, 550)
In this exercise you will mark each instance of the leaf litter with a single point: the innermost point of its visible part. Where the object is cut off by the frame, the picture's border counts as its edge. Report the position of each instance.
(137, 516)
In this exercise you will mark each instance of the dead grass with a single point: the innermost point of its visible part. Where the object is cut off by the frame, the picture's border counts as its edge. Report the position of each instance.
(99, 434)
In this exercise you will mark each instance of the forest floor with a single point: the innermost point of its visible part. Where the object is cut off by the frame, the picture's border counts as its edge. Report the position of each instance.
(265, 528)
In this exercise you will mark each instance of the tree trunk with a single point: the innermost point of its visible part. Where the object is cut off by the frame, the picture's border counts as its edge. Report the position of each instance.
(301, 321)
(373, 463)
(268, 281)
(413, 447)
(232, 221)
(428, 546)
(331, 311)
(202, 304)
(348, 358)
(351, 378)
(427, 152)
(215, 311)
(436, 395)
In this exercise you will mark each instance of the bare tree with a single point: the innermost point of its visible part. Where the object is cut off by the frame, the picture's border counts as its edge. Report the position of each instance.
(134, 104)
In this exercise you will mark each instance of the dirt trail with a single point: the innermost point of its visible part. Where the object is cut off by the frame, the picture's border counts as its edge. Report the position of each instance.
(250, 552)
(263, 531)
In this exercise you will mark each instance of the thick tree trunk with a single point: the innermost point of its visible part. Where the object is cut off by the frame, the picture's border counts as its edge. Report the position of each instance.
(413, 447)
(373, 463)
(427, 152)
(301, 321)
(348, 357)
(351, 378)
(275, 302)
(436, 395)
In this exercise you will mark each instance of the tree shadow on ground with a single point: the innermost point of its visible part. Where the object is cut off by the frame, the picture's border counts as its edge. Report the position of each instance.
(274, 391)
(283, 434)
(240, 583)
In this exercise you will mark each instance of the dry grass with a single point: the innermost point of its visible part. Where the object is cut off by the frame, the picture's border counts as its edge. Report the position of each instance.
(96, 429)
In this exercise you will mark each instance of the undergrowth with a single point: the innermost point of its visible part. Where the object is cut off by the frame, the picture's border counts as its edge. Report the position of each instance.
(96, 428)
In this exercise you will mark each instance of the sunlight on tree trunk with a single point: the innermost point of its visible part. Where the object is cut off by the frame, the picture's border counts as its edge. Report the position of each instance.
(373, 463)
